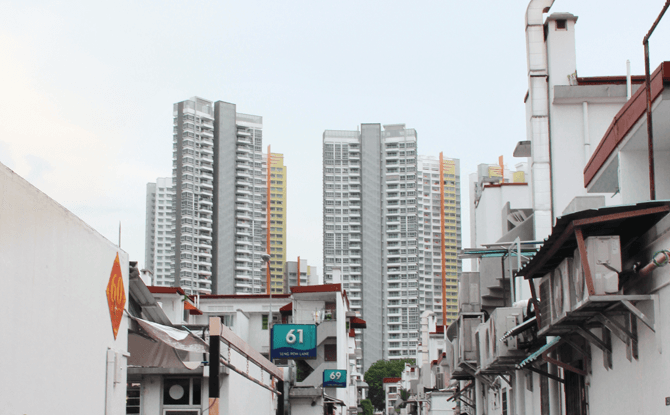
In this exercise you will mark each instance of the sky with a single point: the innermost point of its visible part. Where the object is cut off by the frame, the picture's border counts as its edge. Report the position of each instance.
(86, 88)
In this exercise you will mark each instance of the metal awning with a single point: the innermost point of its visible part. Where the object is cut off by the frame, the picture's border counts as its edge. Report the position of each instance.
(475, 253)
(156, 345)
(533, 357)
(330, 399)
(519, 329)
(629, 222)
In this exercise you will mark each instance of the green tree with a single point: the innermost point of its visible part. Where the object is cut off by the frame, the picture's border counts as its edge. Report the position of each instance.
(377, 372)
(368, 409)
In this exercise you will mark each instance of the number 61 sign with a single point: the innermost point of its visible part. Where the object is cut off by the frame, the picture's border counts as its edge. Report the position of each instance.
(334, 378)
(293, 341)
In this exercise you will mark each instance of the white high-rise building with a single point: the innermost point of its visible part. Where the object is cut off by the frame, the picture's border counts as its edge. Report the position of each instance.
(159, 233)
(431, 234)
(217, 232)
(374, 214)
(193, 181)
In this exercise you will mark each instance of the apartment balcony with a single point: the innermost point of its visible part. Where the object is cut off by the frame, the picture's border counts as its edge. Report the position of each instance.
(242, 284)
(245, 174)
(239, 267)
(243, 157)
(243, 191)
(243, 148)
(204, 273)
(240, 214)
(243, 223)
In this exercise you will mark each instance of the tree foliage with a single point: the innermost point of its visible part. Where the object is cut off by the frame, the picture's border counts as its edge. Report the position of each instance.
(377, 372)
(368, 409)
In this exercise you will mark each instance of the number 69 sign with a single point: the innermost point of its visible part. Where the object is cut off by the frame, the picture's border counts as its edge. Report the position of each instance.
(293, 341)
(334, 378)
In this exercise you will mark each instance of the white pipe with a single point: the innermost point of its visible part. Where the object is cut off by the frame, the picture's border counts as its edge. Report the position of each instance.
(587, 138)
(629, 83)
(536, 52)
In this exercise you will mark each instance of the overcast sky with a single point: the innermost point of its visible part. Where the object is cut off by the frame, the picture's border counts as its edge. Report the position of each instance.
(86, 88)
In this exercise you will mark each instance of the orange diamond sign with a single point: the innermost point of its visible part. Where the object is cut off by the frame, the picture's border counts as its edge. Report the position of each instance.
(116, 296)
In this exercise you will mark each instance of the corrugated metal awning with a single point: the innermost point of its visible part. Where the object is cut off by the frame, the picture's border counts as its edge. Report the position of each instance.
(629, 222)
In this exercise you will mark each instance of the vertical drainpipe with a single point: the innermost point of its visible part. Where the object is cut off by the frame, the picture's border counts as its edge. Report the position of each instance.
(268, 287)
(443, 247)
(536, 53)
(647, 81)
(587, 139)
(538, 74)
(629, 82)
(299, 272)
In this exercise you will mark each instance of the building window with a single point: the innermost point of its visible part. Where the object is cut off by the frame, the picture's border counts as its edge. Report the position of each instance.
(330, 352)
(181, 391)
(561, 24)
(265, 321)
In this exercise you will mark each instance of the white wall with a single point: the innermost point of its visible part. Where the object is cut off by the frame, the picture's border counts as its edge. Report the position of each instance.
(488, 215)
(56, 321)
(647, 377)
(634, 176)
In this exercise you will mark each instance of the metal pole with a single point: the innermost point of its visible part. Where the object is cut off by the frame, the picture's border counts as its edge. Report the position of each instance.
(266, 258)
(647, 81)
(214, 363)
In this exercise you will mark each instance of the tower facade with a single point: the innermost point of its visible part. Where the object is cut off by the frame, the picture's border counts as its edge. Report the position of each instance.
(240, 197)
(214, 233)
(431, 233)
(192, 178)
(159, 232)
(377, 219)
(278, 217)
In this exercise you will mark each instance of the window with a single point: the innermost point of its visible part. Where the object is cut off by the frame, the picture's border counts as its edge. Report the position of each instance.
(133, 398)
(330, 352)
(265, 321)
(181, 391)
(561, 24)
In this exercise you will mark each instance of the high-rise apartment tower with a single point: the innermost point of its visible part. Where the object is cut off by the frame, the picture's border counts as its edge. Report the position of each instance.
(373, 232)
(159, 232)
(218, 230)
(278, 173)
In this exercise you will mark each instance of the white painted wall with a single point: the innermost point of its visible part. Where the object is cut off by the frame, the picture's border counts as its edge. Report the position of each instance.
(488, 214)
(633, 176)
(56, 326)
(640, 386)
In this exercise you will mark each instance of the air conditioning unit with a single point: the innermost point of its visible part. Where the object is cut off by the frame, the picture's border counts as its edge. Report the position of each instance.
(545, 302)
(467, 326)
(483, 337)
(604, 259)
(499, 355)
(448, 361)
(439, 378)
(455, 371)
(562, 290)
